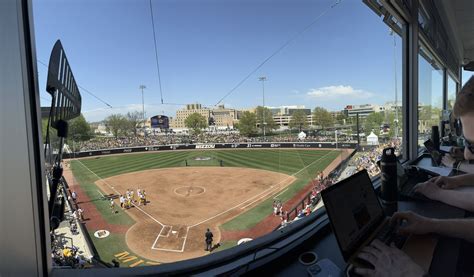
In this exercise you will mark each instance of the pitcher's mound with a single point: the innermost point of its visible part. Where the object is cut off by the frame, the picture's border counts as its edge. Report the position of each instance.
(189, 190)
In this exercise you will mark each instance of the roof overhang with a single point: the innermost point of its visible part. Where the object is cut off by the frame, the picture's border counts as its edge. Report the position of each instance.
(458, 19)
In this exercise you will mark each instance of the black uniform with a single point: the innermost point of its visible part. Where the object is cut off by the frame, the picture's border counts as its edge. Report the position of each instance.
(209, 236)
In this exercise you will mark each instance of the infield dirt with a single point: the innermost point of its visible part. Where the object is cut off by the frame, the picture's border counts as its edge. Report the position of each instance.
(183, 202)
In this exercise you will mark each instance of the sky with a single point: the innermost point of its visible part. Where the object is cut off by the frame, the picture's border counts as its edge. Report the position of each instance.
(205, 48)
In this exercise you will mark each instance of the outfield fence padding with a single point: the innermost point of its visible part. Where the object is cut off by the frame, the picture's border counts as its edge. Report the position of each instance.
(208, 146)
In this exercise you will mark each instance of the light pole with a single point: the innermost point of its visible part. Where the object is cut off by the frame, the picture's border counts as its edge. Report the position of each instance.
(395, 74)
(263, 79)
(142, 87)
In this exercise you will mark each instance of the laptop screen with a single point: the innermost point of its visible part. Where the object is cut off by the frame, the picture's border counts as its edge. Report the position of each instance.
(354, 211)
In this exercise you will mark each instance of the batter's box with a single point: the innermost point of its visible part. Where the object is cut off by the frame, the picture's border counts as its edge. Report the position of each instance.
(171, 238)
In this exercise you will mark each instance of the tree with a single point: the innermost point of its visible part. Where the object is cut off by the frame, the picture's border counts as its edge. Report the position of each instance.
(341, 119)
(298, 120)
(247, 125)
(116, 123)
(196, 122)
(44, 127)
(268, 122)
(373, 121)
(428, 116)
(322, 117)
(134, 121)
(392, 121)
(79, 129)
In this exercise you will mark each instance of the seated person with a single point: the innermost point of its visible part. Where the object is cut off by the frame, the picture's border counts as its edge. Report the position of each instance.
(389, 260)
(450, 160)
(441, 188)
(446, 190)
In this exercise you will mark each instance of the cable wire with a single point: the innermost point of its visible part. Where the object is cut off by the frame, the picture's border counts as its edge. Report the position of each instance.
(84, 89)
(156, 51)
(284, 45)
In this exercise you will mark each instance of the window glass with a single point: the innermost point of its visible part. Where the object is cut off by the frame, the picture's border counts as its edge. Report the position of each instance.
(430, 95)
(451, 92)
(238, 116)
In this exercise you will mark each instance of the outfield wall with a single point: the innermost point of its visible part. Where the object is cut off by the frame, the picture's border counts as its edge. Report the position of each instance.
(294, 145)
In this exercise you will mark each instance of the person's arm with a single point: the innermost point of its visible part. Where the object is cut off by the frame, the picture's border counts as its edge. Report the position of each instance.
(463, 180)
(458, 228)
(462, 199)
(466, 166)
(453, 181)
(417, 224)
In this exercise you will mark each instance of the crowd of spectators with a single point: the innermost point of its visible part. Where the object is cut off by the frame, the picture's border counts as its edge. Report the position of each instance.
(63, 254)
(67, 257)
(367, 158)
(99, 143)
(320, 183)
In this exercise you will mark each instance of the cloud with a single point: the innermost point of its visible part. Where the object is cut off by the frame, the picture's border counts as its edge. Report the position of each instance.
(338, 92)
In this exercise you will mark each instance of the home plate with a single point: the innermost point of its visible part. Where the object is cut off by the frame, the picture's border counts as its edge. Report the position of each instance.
(174, 232)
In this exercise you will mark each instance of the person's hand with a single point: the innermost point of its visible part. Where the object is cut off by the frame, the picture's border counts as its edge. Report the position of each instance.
(445, 182)
(429, 189)
(387, 261)
(412, 223)
(448, 160)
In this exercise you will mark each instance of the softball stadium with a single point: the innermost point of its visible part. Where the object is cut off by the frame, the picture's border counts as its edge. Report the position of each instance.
(229, 191)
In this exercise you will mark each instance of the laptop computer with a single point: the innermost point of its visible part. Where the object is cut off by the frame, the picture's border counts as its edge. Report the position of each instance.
(357, 217)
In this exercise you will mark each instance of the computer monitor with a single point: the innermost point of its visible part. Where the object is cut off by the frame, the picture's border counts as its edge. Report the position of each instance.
(354, 211)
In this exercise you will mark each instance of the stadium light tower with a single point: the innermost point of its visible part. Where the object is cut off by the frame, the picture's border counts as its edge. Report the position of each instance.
(395, 73)
(263, 79)
(142, 87)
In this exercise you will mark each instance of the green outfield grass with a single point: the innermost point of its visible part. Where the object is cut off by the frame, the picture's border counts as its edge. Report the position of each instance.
(284, 161)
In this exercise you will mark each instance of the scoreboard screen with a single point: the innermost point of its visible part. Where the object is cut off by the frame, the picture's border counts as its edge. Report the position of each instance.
(160, 121)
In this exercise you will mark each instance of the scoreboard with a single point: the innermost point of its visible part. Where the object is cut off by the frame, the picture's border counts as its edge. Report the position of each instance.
(160, 121)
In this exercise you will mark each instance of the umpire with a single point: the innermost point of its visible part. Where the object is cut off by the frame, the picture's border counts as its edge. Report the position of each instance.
(209, 236)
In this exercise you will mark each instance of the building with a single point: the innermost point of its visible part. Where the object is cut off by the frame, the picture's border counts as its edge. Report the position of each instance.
(98, 128)
(222, 117)
(288, 110)
(391, 106)
(363, 110)
(282, 115)
(366, 109)
(336, 114)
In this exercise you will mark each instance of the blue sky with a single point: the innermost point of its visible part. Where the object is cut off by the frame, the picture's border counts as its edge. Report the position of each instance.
(207, 47)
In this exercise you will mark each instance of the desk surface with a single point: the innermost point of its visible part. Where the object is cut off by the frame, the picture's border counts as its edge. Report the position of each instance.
(445, 256)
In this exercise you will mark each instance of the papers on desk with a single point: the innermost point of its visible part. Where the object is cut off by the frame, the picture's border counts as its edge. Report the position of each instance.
(436, 170)
(445, 149)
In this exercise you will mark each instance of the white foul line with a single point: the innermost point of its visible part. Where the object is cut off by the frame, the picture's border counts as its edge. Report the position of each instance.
(322, 157)
(286, 179)
(153, 246)
(236, 206)
(305, 168)
(170, 250)
(112, 188)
